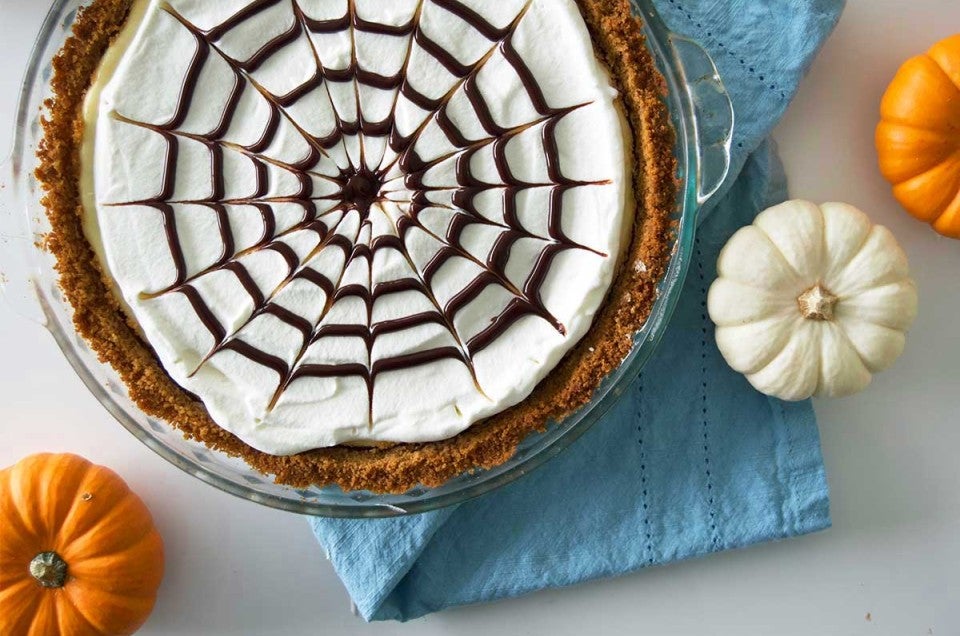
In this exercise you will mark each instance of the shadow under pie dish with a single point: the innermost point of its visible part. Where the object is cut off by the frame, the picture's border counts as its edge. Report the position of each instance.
(194, 249)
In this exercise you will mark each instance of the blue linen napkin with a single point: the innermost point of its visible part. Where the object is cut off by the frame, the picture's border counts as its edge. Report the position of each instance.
(692, 460)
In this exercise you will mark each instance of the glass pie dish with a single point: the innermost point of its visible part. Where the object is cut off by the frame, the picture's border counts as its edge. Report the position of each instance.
(702, 115)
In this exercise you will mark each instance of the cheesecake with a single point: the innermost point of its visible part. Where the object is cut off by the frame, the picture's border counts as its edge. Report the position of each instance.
(364, 243)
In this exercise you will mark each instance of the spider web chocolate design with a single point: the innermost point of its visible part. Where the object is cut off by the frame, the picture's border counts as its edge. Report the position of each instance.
(363, 187)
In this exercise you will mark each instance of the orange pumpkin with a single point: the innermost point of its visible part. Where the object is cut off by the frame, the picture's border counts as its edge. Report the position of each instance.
(79, 553)
(918, 139)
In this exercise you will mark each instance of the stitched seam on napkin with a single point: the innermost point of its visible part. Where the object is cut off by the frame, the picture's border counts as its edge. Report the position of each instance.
(782, 449)
(789, 509)
(804, 480)
(704, 408)
(645, 517)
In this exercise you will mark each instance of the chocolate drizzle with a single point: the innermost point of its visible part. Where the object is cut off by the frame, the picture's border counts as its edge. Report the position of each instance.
(343, 221)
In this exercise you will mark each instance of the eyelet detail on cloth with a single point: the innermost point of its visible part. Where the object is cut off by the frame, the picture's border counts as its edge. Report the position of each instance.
(648, 546)
(709, 36)
(704, 410)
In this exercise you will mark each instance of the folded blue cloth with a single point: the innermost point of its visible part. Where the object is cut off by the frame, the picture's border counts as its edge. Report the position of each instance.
(692, 460)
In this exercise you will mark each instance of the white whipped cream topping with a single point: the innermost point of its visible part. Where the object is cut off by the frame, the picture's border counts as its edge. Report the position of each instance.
(126, 162)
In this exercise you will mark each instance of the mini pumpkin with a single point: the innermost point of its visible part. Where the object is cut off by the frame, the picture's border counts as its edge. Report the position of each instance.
(918, 138)
(79, 553)
(811, 300)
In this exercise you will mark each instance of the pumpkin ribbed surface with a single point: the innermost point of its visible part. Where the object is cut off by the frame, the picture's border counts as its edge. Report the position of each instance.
(79, 553)
(918, 138)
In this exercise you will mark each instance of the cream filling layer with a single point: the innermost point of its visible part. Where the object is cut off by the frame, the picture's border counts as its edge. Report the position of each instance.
(304, 311)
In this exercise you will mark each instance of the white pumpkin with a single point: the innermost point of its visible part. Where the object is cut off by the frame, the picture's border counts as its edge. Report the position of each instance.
(812, 300)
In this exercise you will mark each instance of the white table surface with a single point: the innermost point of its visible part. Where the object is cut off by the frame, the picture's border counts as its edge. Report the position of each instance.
(888, 566)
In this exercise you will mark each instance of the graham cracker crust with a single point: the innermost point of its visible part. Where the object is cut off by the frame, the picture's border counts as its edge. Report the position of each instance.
(98, 318)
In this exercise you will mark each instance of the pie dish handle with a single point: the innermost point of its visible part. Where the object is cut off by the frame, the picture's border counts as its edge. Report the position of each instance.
(712, 112)
(18, 265)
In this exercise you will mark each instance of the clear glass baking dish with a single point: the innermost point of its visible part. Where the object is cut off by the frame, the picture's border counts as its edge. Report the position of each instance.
(702, 116)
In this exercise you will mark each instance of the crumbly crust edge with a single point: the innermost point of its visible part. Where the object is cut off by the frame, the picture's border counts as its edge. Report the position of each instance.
(98, 318)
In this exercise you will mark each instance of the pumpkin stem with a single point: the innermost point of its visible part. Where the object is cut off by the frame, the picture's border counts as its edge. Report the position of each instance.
(817, 303)
(49, 569)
